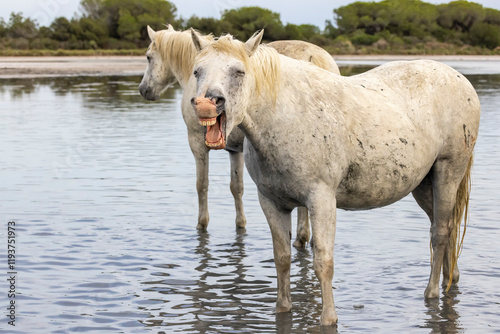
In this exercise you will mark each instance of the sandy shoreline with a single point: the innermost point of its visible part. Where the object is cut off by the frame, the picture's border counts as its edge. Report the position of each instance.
(26, 67)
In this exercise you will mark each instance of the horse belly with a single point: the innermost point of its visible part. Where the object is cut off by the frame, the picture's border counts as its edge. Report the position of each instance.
(383, 179)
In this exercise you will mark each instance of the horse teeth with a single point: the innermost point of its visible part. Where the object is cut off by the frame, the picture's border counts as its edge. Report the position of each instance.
(207, 123)
(214, 144)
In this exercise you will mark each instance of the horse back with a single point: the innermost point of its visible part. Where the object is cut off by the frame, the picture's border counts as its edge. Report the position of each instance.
(409, 114)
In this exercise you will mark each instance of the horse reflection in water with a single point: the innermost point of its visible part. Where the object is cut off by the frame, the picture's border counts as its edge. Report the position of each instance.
(226, 295)
(443, 316)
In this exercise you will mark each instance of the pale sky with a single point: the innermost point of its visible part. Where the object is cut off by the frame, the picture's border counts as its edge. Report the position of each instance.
(297, 12)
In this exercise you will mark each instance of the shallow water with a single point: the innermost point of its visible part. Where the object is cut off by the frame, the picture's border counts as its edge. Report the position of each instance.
(101, 185)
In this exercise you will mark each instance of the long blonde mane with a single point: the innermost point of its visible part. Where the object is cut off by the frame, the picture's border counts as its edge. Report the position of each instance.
(264, 64)
(177, 50)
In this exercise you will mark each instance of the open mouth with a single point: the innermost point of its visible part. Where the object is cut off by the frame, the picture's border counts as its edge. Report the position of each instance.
(215, 136)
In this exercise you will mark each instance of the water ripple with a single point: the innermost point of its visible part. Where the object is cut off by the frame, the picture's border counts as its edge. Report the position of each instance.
(101, 185)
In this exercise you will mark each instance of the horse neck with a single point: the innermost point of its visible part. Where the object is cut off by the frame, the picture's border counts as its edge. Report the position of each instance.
(179, 71)
(294, 109)
(257, 122)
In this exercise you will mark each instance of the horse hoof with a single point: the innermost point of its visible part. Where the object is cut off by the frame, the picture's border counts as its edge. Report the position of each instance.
(283, 306)
(202, 226)
(203, 222)
(241, 223)
(431, 293)
(329, 318)
(299, 244)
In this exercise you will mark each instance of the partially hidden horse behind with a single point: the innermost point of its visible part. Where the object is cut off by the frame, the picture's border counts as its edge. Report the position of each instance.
(170, 60)
(325, 142)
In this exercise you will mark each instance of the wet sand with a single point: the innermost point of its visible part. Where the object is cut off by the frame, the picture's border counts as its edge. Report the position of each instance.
(19, 67)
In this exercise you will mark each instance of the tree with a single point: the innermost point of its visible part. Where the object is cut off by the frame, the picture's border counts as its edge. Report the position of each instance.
(303, 32)
(330, 31)
(89, 29)
(208, 25)
(460, 15)
(402, 18)
(128, 19)
(60, 29)
(485, 34)
(246, 20)
(3, 27)
(20, 27)
(492, 16)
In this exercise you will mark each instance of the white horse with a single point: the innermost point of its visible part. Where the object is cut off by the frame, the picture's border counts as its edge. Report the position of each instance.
(170, 59)
(325, 142)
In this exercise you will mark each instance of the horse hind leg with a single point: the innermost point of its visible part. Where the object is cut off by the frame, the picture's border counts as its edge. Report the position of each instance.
(303, 231)
(423, 197)
(450, 189)
(236, 185)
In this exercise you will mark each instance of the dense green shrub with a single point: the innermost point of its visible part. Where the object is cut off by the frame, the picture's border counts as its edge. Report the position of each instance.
(406, 27)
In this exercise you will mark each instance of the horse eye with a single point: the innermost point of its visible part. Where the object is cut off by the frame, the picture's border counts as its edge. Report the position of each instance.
(149, 58)
(195, 73)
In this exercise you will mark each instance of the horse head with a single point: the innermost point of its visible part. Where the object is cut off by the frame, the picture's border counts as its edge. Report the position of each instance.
(226, 82)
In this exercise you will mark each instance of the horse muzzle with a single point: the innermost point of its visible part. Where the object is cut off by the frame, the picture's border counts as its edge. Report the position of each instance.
(208, 108)
(210, 113)
(148, 93)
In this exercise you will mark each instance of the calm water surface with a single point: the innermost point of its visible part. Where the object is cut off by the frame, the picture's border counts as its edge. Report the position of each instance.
(101, 185)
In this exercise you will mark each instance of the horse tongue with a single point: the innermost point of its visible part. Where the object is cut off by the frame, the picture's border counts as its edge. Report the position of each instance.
(213, 133)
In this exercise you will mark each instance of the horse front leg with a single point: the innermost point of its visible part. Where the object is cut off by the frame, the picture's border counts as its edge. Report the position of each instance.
(322, 208)
(280, 223)
(236, 185)
(303, 232)
(201, 153)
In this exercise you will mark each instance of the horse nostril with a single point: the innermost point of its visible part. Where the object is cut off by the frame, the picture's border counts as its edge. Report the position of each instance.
(219, 100)
(193, 102)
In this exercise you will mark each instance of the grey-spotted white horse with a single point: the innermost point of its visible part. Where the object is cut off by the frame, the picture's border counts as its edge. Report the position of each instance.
(325, 142)
(170, 59)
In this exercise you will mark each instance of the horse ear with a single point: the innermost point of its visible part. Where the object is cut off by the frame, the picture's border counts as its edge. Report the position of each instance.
(151, 34)
(170, 28)
(198, 41)
(253, 42)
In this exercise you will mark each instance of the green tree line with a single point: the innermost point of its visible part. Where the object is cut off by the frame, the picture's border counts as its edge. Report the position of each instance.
(389, 26)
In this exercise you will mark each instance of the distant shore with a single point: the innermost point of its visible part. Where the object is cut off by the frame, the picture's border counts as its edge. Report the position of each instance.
(26, 67)
(413, 57)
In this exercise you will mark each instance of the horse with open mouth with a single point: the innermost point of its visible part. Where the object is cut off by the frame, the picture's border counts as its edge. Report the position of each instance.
(170, 60)
(325, 142)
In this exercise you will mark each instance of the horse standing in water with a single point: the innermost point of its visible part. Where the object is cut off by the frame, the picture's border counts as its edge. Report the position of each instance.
(325, 142)
(170, 59)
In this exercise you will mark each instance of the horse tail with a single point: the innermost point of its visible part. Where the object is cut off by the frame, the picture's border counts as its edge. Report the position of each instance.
(461, 209)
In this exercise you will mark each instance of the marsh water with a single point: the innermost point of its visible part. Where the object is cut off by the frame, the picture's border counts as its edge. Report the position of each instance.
(101, 186)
